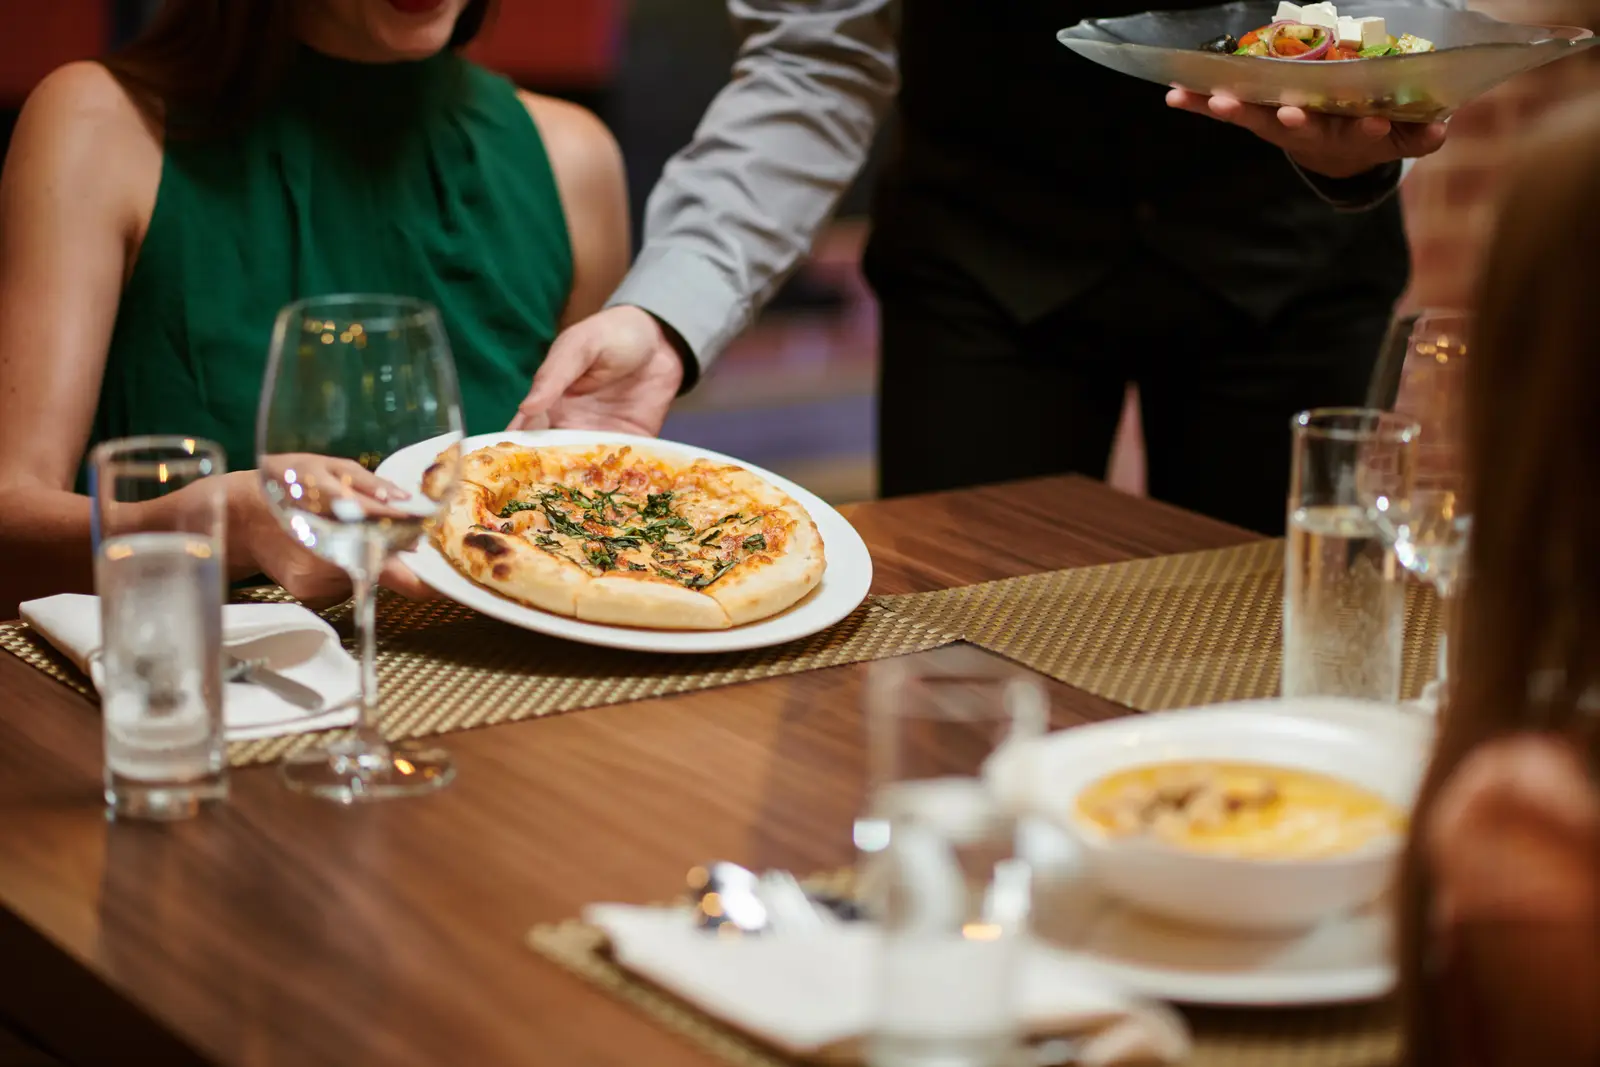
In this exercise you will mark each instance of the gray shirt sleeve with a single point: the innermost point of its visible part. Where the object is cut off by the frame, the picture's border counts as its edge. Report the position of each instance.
(735, 210)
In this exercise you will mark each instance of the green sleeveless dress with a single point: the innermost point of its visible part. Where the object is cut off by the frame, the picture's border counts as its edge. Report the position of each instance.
(424, 179)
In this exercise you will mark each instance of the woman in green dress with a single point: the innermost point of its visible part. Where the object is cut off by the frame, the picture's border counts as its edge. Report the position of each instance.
(158, 208)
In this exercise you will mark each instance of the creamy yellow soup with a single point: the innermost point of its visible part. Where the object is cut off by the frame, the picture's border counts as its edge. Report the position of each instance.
(1239, 809)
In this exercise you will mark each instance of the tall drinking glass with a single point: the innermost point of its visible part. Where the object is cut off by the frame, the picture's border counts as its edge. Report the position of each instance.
(1344, 601)
(351, 380)
(159, 530)
(1429, 520)
(952, 896)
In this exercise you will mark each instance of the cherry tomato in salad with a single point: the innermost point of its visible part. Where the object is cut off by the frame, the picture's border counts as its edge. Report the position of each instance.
(1249, 39)
(1290, 46)
(1341, 53)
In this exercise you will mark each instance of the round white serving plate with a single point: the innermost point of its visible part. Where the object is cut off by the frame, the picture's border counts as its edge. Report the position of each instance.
(1344, 960)
(843, 587)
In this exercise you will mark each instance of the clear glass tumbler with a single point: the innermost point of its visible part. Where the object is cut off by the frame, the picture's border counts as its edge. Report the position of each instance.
(1343, 594)
(949, 890)
(160, 526)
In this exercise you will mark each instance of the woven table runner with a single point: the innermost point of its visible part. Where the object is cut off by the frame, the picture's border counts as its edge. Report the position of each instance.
(1168, 632)
(1347, 1036)
(443, 667)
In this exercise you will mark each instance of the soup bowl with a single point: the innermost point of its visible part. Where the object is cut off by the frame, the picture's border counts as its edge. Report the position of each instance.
(1376, 751)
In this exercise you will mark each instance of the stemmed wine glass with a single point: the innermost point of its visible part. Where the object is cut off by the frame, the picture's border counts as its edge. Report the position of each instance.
(350, 380)
(1428, 518)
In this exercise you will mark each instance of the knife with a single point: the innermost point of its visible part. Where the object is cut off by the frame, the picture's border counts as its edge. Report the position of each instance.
(256, 672)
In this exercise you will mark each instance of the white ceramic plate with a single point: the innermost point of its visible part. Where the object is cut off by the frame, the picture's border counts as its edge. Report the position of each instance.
(1343, 960)
(844, 584)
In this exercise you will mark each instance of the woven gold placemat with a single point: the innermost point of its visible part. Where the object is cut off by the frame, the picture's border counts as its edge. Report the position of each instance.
(1168, 632)
(1362, 1035)
(443, 667)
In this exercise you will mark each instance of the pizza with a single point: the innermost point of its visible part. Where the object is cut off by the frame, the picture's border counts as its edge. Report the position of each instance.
(628, 536)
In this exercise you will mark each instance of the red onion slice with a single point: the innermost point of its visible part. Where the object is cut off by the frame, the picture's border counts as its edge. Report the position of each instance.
(1275, 30)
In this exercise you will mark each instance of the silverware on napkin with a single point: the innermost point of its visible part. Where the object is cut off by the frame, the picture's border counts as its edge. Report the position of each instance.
(728, 895)
(729, 898)
(256, 672)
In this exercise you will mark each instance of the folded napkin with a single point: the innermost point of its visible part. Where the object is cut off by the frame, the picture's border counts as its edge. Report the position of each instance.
(814, 994)
(293, 642)
(1427, 702)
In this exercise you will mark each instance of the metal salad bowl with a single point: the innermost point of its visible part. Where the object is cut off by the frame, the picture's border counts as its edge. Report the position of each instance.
(1473, 53)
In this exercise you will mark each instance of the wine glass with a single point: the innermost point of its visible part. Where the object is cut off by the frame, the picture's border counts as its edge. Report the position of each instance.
(351, 379)
(1426, 517)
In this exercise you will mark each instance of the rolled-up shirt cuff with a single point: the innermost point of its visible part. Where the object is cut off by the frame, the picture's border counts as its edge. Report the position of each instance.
(691, 297)
(1360, 192)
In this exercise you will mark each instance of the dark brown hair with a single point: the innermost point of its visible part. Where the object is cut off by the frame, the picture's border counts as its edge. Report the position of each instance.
(203, 67)
(1532, 454)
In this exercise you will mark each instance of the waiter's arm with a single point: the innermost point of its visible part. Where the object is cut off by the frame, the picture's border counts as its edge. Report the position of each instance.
(733, 212)
(1371, 188)
(778, 147)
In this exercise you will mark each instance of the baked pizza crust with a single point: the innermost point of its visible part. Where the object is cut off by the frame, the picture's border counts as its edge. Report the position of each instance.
(498, 553)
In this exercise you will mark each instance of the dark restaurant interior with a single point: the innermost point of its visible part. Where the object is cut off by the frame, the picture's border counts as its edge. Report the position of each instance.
(956, 474)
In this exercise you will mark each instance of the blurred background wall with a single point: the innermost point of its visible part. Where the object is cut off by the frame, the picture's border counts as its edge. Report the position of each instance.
(796, 393)
(1449, 197)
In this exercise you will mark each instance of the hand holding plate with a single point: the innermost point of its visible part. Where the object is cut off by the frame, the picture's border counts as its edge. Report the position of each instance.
(1324, 144)
(615, 370)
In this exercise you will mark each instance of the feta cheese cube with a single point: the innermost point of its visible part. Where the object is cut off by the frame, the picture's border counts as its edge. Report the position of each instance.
(1365, 32)
(1320, 14)
(1287, 12)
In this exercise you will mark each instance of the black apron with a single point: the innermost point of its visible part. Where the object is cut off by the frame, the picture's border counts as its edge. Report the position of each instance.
(1036, 172)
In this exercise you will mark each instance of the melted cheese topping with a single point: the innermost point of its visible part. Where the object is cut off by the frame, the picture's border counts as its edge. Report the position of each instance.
(1239, 809)
(608, 523)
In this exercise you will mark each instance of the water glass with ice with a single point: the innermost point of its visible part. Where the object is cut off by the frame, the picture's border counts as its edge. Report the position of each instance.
(159, 525)
(1344, 596)
(939, 853)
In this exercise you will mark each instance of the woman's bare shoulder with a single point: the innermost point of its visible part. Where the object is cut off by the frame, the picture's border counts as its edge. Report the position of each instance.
(84, 100)
(594, 198)
(580, 147)
(82, 136)
(1515, 833)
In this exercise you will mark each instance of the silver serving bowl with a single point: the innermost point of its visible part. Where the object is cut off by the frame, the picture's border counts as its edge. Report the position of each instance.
(1474, 53)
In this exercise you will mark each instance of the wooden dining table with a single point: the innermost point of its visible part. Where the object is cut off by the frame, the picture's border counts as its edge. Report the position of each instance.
(281, 930)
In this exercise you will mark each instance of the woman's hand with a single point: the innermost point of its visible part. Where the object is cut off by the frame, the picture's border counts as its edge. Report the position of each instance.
(615, 370)
(258, 543)
(1324, 144)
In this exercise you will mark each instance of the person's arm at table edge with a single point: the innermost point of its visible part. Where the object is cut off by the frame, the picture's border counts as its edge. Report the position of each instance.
(1513, 842)
(67, 223)
(735, 210)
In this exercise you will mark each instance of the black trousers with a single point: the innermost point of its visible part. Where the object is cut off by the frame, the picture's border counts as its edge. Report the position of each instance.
(967, 395)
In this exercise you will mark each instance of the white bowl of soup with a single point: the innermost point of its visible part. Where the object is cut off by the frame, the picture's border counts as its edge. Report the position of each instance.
(1234, 816)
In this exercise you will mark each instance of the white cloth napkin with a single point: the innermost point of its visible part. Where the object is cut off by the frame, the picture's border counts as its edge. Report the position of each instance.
(294, 642)
(814, 994)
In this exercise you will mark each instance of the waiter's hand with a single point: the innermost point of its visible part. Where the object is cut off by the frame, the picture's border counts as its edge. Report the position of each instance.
(1326, 144)
(615, 370)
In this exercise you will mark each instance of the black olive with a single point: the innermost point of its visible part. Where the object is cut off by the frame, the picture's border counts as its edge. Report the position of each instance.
(1225, 45)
